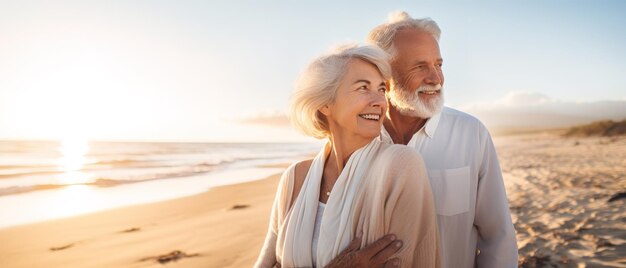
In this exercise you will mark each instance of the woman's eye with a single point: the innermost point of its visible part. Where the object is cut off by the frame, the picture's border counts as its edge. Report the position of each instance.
(362, 88)
(382, 89)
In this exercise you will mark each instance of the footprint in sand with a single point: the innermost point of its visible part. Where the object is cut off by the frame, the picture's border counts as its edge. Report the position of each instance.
(62, 247)
(131, 230)
(172, 256)
(235, 207)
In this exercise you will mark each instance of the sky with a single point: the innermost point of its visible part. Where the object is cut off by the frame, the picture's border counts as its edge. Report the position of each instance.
(218, 71)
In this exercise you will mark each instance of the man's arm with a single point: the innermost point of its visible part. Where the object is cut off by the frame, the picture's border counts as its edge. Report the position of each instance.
(496, 234)
(374, 255)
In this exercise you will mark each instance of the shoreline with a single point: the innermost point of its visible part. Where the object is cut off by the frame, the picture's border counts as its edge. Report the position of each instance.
(76, 200)
(222, 227)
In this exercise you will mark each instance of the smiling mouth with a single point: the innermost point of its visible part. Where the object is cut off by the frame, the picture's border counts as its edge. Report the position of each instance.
(433, 92)
(373, 117)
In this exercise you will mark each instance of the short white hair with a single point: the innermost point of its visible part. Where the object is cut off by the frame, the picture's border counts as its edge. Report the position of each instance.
(318, 84)
(383, 35)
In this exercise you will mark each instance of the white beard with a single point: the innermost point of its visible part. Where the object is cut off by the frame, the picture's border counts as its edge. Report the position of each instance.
(410, 104)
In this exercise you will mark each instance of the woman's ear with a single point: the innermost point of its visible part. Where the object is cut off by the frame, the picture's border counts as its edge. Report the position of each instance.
(325, 110)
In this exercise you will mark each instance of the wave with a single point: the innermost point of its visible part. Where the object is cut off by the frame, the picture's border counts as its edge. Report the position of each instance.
(29, 170)
(110, 182)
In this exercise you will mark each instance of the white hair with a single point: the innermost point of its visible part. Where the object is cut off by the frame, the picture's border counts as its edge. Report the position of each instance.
(318, 84)
(383, 35)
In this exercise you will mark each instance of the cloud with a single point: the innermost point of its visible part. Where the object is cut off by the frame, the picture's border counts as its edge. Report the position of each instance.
(535, 110)
(275, 119)
(512, 100)
(518, 98)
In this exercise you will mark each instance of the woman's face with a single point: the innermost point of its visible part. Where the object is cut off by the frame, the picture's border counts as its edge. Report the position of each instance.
(360, 104)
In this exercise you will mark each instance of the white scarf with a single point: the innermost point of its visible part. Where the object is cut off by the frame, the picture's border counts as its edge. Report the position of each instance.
(296, 235)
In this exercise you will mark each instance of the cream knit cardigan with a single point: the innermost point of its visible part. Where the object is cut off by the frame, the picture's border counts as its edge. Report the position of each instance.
(382, 189)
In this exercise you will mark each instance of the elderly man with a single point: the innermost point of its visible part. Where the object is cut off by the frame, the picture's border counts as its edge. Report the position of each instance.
(475, 227)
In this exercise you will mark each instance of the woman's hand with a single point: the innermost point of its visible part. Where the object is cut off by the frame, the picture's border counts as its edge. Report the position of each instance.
(374, 255)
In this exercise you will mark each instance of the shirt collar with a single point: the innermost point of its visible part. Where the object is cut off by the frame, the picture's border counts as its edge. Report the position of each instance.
(431, 125)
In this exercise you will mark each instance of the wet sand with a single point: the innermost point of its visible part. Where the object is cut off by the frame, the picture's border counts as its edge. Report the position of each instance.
(223, 227)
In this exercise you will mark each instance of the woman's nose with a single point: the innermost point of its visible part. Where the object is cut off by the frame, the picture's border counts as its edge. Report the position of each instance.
(379, 100)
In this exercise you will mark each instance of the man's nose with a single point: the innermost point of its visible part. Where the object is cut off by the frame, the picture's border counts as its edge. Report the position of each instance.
(434, 77)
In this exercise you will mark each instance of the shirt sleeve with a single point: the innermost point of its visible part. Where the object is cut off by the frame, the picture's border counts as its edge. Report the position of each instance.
(497, 244)
(267, 257)
(410, 211)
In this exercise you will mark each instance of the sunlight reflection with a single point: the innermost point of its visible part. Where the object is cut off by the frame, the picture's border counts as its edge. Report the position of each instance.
(75, 177)
(72, 160)
(74, 199)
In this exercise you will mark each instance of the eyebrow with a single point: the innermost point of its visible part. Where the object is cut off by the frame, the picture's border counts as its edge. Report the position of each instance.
(362, 81)
(424, 62)
(368, 82)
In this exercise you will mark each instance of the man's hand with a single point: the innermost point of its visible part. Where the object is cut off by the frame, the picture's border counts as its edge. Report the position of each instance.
(373, 255)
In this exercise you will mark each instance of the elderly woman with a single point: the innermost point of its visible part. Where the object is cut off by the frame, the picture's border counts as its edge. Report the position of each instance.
(356, 185)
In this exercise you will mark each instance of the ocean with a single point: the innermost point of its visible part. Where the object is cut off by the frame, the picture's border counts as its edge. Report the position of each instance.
(45, 180)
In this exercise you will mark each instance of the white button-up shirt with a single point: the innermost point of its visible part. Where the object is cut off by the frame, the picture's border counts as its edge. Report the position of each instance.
(473, 215)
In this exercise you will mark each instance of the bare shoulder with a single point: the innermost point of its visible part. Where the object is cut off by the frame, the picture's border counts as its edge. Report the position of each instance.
(301, 169)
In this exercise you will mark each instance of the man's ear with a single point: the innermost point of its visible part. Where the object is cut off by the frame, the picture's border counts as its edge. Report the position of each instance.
(325, 110)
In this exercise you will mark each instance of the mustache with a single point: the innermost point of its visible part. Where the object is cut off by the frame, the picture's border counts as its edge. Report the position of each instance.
(424, 88)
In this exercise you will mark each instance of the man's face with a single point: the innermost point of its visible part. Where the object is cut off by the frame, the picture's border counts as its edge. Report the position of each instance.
(416, 85)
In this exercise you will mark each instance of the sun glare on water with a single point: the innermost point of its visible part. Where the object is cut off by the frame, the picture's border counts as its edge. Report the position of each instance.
(72, 160)
(76, 197)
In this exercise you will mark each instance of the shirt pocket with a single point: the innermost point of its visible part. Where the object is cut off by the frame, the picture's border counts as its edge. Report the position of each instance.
(451, 188)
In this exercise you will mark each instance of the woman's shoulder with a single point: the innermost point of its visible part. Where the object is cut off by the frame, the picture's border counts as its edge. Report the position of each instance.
(300, 169)
(292, 180)
(289, 177)
(297, 168)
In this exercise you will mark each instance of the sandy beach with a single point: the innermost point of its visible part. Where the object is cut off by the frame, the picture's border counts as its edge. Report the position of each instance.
(223, 227)
(558, 190)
